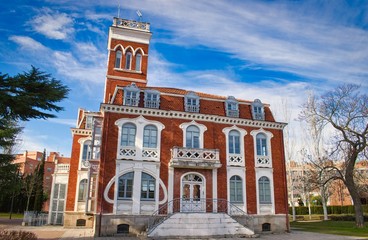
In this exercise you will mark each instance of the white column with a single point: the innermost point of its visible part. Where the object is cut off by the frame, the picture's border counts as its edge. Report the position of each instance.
(170, 194)
(214, 188)
(137, 190)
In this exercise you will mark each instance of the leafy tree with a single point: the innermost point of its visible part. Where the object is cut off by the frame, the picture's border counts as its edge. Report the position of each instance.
(344, 110)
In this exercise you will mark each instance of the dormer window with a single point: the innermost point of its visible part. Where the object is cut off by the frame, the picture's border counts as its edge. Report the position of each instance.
(131, 95)
(191, 102)
(89, 122)
(258, 110)
(232, 107)
(151, 99)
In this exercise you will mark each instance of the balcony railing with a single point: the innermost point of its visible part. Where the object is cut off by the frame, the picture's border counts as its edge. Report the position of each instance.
(119, 22)
(235, 159)
(134, 153)
(195, 158)
(263, 161)
(127, 152)
(62, 168)
(232, 113)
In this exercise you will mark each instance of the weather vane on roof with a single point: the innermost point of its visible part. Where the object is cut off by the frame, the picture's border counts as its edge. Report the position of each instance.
(139, 15)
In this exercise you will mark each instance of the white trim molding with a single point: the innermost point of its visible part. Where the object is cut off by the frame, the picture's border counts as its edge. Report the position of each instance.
(235, 159)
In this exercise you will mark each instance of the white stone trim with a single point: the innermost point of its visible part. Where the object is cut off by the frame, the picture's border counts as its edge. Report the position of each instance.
(231, 171)
(202, 129)
(190, 116)
(242, 133)
(83, 132)
(81, 142)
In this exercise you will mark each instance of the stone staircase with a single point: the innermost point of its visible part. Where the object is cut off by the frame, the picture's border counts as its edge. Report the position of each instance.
(192, 225)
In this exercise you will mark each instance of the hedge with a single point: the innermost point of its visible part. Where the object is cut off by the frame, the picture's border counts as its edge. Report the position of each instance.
(330, 210)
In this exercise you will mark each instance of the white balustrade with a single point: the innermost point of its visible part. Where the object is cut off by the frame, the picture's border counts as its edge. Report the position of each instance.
(127, 152)
(179, 153)
(236, 159)
(263, 161)
(62, 168)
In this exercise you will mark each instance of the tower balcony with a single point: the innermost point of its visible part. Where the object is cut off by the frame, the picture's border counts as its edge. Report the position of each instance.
(199, 158)
(131, 24)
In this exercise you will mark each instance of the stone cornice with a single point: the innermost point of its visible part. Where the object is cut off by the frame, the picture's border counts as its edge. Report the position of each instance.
(190, 116)
(83, 132)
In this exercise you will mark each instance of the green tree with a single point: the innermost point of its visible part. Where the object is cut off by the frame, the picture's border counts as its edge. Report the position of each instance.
(39, 173)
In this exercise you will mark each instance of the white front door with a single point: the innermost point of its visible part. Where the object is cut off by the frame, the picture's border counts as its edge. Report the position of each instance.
(192, 192)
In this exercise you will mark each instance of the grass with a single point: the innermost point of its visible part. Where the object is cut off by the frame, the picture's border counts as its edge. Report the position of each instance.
(344, 228)
(14, 215)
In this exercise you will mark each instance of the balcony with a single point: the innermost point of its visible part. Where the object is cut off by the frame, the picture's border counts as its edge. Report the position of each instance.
(199, 158)
(263, 161)
(135, 153)
(235, 159)
(62, 168)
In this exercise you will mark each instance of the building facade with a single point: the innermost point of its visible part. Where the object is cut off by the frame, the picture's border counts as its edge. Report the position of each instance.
(152, 148)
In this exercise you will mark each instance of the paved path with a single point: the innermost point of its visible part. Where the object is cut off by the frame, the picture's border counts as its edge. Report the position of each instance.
(59, 232)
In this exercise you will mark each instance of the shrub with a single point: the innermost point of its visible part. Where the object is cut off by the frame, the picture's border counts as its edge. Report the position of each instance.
(17, 235)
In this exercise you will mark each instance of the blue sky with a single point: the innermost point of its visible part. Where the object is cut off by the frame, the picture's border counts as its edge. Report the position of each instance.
(276, 51)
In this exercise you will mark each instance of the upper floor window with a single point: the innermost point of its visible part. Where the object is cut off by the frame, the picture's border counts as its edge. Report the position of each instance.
(234, 142)
(128, 135)
(82, 193)
(192, 137)
(261, 141)
(150, 137)
(191, 102)
(87, 150)
(148, 186)
(118, 59)
(151, 99)
(236, 189)
(125, 188)
(232, 107)
(258, 110)
(264, 189)
(138, 62)
(128, 60)
(89, 122)
(131, 95)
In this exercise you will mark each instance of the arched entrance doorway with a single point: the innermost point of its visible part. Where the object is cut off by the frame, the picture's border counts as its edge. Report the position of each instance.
(193, 193)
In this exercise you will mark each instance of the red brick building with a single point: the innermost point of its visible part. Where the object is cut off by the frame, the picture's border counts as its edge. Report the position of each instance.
(28, 162)
(153, 148)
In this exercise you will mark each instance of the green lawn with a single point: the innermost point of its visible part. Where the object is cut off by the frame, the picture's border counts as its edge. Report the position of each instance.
(14, 215)
(331, 227)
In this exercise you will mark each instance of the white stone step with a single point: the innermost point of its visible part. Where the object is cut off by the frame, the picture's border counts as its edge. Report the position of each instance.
(199, 224)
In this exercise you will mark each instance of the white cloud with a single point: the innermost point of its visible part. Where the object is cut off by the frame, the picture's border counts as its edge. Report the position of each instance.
(28, 44)
(53, 25)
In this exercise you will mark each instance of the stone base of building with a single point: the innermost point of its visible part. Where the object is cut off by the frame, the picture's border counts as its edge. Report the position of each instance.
(271, 223)
(78, 219)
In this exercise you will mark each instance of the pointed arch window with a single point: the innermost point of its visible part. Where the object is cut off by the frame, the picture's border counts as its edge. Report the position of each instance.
(261, 141)
(234, 142)
(192, 137)
(236, 189)
(128, 60)
(128, 134)
(148, 186)
(150, 137)
(118, 59)
(82, 192)
(125, 189)
(138, 62)
(264, 188)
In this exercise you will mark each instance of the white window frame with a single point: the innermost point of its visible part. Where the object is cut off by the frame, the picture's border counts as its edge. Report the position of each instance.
(235, 159)
(241, 186)
(128, 99)
(191, 96)
(232, 107)
(265, 208)
(202, 129)
(124, 197)
(138, 62)
(257, 104)
(148, 99)
(82, 141)
(118, 59)
(260, 160)
(128, 61)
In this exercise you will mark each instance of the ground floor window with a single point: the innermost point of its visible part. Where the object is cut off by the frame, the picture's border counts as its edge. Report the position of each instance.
(148, 186)
(58, 203)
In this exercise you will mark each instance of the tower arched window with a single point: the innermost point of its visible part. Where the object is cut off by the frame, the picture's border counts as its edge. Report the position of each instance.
(264, 189)
(261, 141)
(138, 62)
(128, 134)
(87, 150)
(236, 189)
(150, 136)
(128, 60)
(118, 59)
(234, 142)
(192, 137)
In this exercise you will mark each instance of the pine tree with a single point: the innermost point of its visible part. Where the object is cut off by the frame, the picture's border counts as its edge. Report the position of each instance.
(39, 174)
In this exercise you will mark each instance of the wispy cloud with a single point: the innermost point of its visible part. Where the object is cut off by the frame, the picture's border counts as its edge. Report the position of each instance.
(53, 25)
(28, 44)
